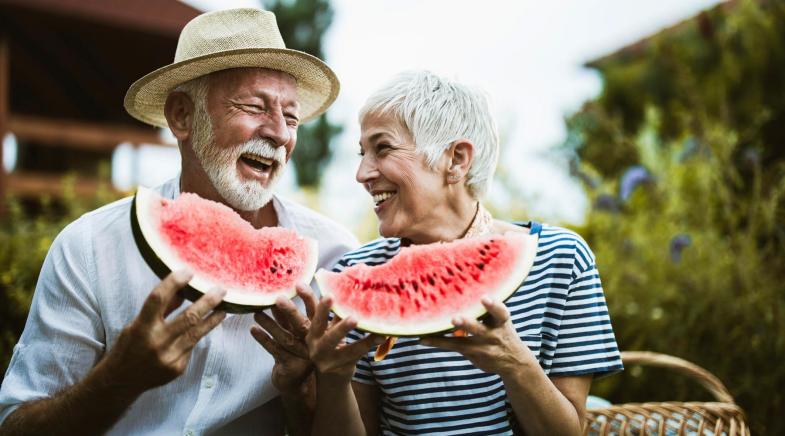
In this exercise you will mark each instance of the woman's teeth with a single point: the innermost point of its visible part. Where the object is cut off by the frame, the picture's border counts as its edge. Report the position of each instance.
(378, 198)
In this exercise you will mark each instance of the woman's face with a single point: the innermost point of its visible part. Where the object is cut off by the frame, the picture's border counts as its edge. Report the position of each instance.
(407, 193)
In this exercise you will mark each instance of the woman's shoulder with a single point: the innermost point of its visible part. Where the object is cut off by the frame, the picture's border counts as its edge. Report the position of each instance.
(377, 251)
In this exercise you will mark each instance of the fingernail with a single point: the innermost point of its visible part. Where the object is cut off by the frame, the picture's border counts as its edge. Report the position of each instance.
(183, 275)
(486, 300)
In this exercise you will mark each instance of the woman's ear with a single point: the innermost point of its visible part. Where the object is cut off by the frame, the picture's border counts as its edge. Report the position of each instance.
(179, 112)
(461, 154)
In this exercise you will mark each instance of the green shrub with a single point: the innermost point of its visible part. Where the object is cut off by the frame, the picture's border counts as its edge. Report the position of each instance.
(25, 238)
(693, 265)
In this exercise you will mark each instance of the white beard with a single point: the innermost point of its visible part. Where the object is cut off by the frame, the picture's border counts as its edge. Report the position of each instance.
(220, 164)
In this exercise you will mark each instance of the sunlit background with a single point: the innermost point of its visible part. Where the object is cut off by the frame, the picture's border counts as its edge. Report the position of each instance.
(528, 55)
(654, 129)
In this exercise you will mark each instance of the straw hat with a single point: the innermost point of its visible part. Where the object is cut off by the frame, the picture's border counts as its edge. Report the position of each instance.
(226, 39)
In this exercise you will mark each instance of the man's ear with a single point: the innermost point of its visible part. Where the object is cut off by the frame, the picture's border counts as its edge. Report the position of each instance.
(461, 154)
(179, 112)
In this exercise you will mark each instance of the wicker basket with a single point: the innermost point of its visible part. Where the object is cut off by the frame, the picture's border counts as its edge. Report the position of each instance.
(722, 417)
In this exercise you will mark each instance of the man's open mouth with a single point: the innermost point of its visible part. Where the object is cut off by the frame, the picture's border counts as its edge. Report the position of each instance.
(257, 162)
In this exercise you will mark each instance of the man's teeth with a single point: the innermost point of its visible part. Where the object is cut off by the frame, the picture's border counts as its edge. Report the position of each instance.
(378, 198)
(262, 160)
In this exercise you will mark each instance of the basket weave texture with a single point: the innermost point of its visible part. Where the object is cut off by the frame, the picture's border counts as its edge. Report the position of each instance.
(721, 417)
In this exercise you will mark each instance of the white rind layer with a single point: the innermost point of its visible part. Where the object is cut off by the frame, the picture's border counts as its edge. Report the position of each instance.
(144, 201)
(520, 270)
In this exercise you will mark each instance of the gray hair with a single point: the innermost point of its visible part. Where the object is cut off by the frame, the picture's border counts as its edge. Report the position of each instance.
(197, 90)
(438, 111)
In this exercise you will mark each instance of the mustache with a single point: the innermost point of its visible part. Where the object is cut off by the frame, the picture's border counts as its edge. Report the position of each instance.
(264, 148)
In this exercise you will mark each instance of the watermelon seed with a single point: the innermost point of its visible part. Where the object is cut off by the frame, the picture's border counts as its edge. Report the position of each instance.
(289, 271)
(415, 285)
(481, 266)
(272, 269)
(487, 247)
(431, 281)
(459, 267)
(482, 252)
(449, 271)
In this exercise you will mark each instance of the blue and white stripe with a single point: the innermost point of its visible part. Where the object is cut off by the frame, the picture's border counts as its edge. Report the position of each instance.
(559, 312)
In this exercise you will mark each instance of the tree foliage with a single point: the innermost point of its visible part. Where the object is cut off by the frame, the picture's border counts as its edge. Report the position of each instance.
(303, 24)
(682, 156)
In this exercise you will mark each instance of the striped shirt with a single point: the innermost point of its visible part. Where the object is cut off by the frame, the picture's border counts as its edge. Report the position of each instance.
(559, 312)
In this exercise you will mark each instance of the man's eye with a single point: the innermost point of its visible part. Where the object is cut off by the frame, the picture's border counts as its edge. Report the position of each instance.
(252, 108)
(292, 120)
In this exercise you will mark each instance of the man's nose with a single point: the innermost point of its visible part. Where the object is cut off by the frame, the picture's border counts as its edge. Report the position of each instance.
(275, 129)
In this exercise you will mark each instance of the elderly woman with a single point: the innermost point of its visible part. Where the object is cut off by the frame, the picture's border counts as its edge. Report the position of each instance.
(428, 150)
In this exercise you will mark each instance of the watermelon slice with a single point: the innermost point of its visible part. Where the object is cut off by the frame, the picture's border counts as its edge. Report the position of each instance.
(422, 288)
(222, 249)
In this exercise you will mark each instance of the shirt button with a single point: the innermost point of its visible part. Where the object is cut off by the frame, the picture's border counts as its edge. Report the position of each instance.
(209, 383)
(189, 432)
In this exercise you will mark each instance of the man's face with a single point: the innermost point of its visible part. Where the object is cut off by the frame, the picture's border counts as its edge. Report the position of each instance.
(245, 135)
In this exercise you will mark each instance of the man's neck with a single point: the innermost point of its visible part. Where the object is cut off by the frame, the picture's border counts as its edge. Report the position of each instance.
(265, 216)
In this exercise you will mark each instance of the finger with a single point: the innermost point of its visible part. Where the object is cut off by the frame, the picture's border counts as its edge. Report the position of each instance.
(161, 296)
(309, 298)
(176, 302)
(287, 310)
(498, 311)
(188, 340)
(267, 342)
(469, 325)
(280, 318)
(194, 315)
(282, 337)
(319, 323)
(336, 334)
(356, 350)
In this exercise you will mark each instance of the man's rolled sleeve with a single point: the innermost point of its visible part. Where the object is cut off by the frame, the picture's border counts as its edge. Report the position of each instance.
(64, 336)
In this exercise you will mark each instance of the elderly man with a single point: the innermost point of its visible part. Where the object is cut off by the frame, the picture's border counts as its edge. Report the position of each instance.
(101, 352)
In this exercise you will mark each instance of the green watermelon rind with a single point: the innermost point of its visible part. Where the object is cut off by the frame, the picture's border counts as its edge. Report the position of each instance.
(519, 272)
(162, 260)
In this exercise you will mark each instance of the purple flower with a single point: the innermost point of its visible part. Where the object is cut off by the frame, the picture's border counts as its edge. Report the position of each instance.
(678, 244)
(632, 178)
(607, 203)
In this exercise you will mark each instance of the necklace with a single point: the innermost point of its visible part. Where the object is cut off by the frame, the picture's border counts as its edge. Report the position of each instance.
(481, 224)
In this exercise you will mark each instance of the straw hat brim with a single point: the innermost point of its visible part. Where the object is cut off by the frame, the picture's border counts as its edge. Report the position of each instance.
(317, 85)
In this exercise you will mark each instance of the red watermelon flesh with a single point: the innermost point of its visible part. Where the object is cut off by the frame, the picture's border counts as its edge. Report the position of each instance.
(422, 288)
(224, 250)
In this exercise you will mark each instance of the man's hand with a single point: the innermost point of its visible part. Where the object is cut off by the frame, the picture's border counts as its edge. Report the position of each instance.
(149, 352)
(152, 351)
(284, 338)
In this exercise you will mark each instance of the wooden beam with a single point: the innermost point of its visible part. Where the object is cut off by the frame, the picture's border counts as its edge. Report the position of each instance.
(4, 99)
(79, 134)
(27, 184)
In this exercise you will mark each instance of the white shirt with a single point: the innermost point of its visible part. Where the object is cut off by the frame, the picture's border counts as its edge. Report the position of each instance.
(94, 281)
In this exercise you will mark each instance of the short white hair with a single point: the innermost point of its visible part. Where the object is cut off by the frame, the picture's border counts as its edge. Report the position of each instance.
(438, 111)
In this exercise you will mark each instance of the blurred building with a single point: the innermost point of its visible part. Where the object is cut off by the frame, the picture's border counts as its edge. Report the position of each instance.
(65, 66)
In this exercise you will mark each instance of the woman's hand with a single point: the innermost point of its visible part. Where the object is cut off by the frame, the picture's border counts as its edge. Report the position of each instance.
(326, 346)
(492, 345)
